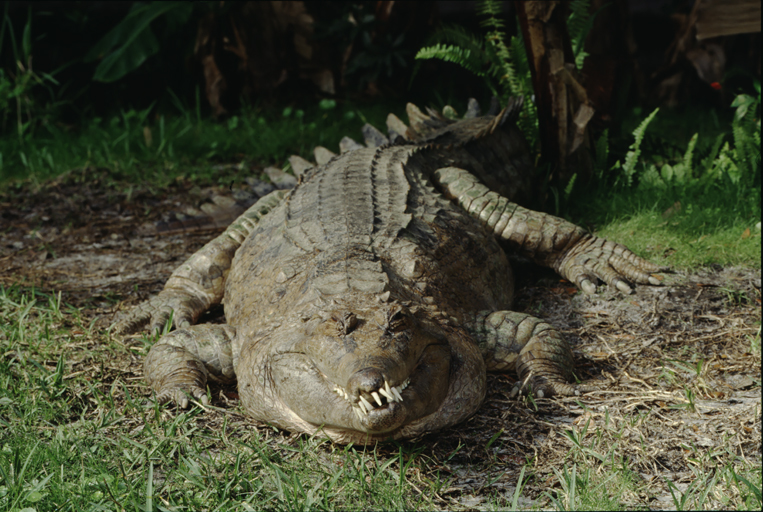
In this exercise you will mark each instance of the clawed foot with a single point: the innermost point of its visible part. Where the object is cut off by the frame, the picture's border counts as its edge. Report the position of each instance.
(181, 309)
(594, 258)
(180, 396)
(543, 387)
(175, 374)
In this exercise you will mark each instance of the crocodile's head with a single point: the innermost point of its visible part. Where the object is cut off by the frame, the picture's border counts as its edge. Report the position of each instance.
(381, 373)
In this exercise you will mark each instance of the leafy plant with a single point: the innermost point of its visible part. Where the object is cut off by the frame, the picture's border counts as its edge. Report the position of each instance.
(738, 166)
(16, 85)
(631, 158)
(383, 55)
(746, 130)
(354, 30)
(503, 67)
(579, 24)
(601, 148)
(131, 42)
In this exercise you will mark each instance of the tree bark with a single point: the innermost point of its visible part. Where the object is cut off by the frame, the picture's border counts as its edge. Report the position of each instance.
(563, 107)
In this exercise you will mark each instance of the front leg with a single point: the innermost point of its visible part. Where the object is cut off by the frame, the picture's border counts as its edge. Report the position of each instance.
(179, 365)
(575, 254)
(199, 282)
(536, 350)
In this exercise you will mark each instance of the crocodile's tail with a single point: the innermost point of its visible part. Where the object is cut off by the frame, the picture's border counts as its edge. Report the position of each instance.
(422, 128)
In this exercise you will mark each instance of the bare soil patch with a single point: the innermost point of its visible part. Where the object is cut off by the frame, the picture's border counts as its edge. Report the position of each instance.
(678, 383)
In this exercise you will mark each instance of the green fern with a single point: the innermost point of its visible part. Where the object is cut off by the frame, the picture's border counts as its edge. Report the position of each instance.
(458, 36)
(578, 25)
(511, 68)
(689, 156)
(503, 66)
(492, 12)
(602, 152)
(746, 132)
(520, 83)
(570, 186)
(708, 162)
(631, 158)
(450, 53)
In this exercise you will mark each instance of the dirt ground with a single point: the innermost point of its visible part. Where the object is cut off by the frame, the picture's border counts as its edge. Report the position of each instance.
(94, 241)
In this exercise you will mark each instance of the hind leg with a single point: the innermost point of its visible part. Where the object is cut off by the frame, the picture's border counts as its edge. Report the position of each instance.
(535, 349)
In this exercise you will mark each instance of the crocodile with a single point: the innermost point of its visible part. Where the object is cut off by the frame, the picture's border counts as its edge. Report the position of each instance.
(368, 302)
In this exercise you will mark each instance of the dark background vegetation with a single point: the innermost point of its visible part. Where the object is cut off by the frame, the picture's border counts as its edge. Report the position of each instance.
(365, 58)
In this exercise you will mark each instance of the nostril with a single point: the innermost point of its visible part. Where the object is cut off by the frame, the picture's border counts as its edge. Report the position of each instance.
(365, 381)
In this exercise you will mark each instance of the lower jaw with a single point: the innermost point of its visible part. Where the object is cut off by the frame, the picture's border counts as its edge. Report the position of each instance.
(347, 436)
(386, 421)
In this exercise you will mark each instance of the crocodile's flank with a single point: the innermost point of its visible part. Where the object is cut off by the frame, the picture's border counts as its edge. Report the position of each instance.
(369, 301)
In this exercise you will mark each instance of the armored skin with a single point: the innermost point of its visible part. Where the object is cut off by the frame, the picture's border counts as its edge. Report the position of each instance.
(368, 302)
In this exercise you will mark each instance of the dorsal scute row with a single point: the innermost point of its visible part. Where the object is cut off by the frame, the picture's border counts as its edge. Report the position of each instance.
(422, 128)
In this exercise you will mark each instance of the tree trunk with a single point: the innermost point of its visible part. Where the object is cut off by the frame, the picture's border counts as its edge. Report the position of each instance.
(563, 106)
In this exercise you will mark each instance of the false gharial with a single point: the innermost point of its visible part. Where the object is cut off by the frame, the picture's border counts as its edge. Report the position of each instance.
(368, 302)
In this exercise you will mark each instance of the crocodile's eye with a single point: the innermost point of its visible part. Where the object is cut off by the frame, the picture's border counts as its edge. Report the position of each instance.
(345, 322)
(396, 320)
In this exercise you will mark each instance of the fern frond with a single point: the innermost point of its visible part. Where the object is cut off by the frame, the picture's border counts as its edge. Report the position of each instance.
(689, 155)
(602, 152)
(746, 134)
(577, 23)
(519, 79)
(457, 36)
(570, 186)
(451, 53)
(491, 10)
(631, 158)
(708, 163)
(520, 84)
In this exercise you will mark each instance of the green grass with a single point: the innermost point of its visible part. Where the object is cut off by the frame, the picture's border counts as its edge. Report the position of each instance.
(76, 436)
(598, 473)
(138, 147)
(681, 235)
(682, 209)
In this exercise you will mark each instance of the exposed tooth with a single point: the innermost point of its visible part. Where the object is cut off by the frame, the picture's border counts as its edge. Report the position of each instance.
(387, 388)
(397, 394)
(346, 396)
(376, 398)
(405, 384)
(362, 407)
(357, 412)
(389, 396)
(366, 403)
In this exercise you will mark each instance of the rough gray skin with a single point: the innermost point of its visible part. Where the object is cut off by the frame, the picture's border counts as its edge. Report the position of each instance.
(369, 301)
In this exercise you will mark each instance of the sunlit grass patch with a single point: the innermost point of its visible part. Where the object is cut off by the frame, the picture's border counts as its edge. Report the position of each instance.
(143, 147)
(78, 434)
(683, 244)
